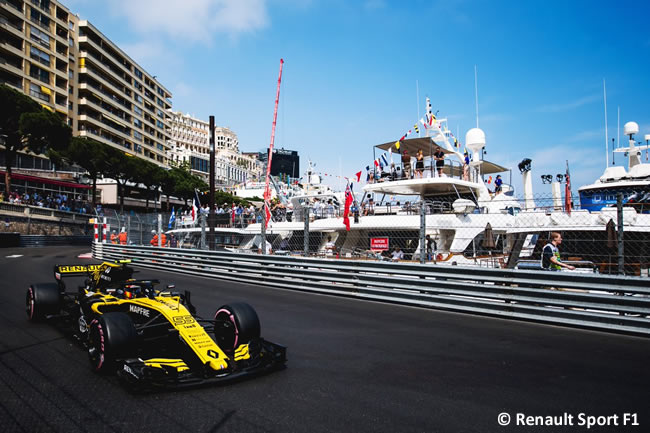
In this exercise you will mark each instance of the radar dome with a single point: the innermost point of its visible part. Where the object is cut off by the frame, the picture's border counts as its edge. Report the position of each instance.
(631, 128)
(475, 139)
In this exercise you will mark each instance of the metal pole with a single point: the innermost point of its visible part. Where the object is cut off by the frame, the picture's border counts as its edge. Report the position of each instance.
(422, 231)
(128, 229)
(160, 231)
(211, 198)
(202, 222)
(306, 210)
(619, 217)
(263, 244)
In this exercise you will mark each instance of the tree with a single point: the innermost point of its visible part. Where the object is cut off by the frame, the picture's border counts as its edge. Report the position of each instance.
(25, 125)
(122, 168)
(151, 175)
(90, 155)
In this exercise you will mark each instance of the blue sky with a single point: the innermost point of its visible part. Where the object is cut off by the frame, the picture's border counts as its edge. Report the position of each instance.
(351, 67)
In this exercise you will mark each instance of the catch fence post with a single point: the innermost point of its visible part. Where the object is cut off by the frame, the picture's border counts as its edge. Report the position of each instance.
(422, 231)
(619, 217)
(306, 211)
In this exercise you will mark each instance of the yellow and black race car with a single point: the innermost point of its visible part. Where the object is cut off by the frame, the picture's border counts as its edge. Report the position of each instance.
(153, 338)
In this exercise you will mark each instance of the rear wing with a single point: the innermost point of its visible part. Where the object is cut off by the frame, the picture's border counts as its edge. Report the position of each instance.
(83, 270)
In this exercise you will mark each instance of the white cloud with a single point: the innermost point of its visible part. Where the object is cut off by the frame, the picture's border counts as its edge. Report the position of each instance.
(192, 20)
(555, 108)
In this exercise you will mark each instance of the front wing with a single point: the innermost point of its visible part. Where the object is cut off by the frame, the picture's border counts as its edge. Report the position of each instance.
(262, 357)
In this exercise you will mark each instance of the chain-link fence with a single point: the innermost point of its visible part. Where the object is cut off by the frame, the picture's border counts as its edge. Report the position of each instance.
(605, 232)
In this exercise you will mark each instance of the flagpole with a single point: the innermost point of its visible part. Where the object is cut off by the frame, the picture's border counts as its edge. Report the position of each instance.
(267, 190)
(476, 93)
(417, 99)
(606, 139)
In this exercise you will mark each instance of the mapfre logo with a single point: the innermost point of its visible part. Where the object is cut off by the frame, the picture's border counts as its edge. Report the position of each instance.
(139, 310)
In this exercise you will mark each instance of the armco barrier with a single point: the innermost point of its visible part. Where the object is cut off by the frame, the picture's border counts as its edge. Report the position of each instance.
(606, 303)
(46, 241)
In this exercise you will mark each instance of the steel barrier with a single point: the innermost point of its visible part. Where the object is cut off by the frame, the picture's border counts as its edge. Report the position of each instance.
(598, 302)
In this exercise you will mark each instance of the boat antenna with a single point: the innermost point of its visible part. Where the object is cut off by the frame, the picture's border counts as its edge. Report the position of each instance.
(606, 139)
(417, 98)
(476, 93)
(618, 128)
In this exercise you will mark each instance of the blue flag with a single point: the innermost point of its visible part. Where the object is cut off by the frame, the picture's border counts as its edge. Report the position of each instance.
(172, 219)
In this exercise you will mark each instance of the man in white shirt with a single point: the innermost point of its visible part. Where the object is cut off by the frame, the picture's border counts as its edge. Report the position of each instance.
(397, 255)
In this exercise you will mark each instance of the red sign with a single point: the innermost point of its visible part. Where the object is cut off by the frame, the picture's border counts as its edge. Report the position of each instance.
(379, 244)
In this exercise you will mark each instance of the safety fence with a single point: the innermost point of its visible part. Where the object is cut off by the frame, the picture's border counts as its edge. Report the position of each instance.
(598, 302)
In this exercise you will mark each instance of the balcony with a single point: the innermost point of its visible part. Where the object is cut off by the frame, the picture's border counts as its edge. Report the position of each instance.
(117, 68)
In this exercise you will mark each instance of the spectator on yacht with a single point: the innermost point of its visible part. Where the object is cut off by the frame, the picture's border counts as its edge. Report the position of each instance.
(406, 163)
(497, 184)
(419, 164)
(439, 156)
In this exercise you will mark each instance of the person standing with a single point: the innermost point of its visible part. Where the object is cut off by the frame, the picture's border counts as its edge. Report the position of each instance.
(122, 236)
(406, 164)
(497, 184)
(431, 247)
(551, 255)
(113, 237)
(439, 156)
(419, 164)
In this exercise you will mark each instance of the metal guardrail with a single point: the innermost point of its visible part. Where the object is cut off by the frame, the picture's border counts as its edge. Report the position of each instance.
(605, 303)
(46, 240)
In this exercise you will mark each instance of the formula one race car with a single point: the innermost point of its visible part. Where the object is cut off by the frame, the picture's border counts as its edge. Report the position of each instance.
(153, 338)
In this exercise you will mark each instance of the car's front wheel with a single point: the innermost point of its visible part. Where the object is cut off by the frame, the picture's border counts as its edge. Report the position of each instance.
(112, 336)
(42, 300)
(235, 324)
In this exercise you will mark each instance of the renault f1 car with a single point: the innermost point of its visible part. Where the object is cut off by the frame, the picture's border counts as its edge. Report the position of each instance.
(153, 338)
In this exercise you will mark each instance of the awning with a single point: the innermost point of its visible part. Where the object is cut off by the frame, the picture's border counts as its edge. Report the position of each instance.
(487, 167)
(412, 145)
(19, 176)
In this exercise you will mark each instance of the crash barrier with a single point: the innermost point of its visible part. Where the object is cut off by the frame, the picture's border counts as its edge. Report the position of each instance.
(46, 241)
(606, 303)
(9, 240)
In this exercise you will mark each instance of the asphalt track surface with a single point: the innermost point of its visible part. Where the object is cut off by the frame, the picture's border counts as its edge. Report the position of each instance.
(354, 366)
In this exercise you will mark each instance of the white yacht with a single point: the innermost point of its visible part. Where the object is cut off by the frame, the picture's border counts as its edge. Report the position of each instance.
(633, 183)
(469, 224)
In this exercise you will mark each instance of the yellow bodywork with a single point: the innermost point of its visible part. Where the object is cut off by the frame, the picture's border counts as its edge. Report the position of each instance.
(192, 332)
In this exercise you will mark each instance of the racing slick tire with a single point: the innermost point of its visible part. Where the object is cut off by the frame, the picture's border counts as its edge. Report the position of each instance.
(41, 300)
(235, 324)
(112, 336)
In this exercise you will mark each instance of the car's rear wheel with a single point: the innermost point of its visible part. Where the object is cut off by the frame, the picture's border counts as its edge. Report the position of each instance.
(112, 336)
(41, 300)
(235, 324)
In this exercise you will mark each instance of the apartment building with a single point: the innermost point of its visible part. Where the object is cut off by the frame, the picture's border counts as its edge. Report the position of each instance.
(190, 144)
(70, 67)
(37, 51)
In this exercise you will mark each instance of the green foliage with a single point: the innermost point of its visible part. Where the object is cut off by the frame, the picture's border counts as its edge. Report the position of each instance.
(26, 125)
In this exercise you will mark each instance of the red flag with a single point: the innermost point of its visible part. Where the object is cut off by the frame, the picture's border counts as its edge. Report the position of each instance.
(232, 216)
(348, 202)
(567, 191)
(358, 177)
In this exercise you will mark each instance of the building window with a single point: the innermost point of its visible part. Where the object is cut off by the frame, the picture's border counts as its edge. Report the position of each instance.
(39, 56)
(43, 4)
(159, 124)
(36, 91)
(40, 37)
(39, 74)
(137, 123)
(137, 135)
(39, 18)
(138, 98)
(138, 73)
(137, 85)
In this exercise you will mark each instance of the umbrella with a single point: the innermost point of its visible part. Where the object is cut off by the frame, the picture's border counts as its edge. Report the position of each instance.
(488, 237)
(611, 234)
